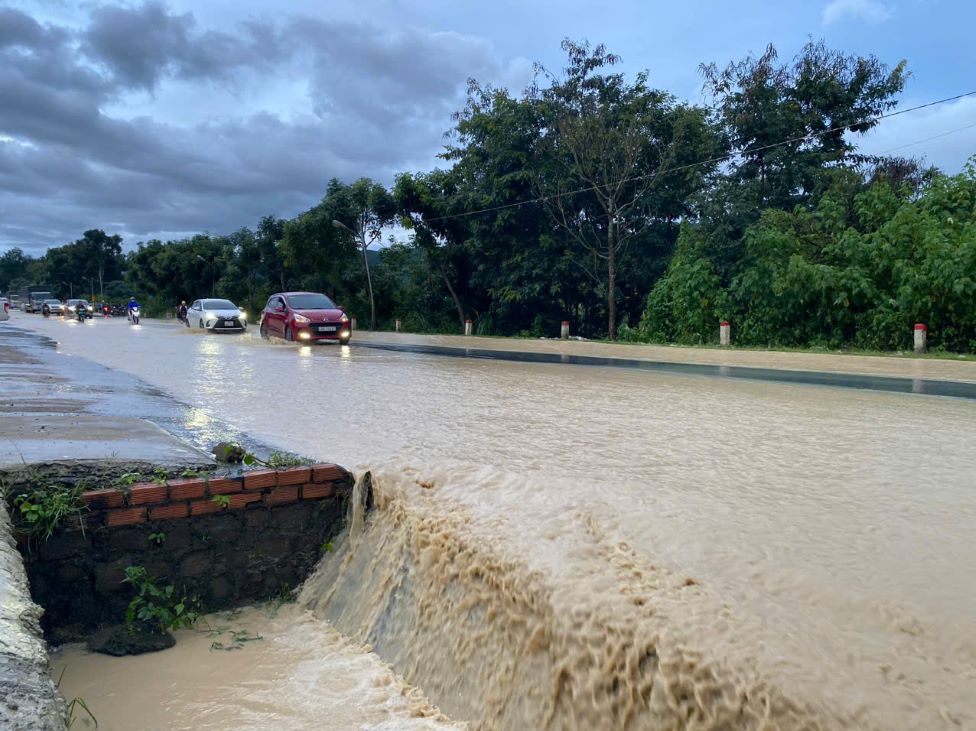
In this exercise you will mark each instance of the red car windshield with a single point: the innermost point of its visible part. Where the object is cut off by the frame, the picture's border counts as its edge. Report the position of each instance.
(310, 302)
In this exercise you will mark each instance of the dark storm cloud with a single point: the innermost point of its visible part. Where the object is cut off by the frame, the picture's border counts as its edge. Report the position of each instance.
(140, 45)
(377, 102)
(19, 29)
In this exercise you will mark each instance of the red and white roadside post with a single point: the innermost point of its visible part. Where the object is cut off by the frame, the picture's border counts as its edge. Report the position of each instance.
(921, 333)
(724, 333)
(564, 330)
(397, 324)
(467, 327)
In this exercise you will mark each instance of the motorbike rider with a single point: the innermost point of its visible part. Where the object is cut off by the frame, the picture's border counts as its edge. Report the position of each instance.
(181, 311)
(81, 311)
(133, 305)
(46, 309)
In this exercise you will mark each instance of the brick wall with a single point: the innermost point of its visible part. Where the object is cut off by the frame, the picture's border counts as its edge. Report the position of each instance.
(264, 541)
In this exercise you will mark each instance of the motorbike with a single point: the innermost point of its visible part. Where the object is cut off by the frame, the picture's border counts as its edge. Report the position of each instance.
(81, 312)
(46, 311)
(134, 315)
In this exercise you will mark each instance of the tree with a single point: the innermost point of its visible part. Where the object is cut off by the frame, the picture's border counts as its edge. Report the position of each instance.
(790, 125)
(493, 242)
(607, 148)
(364, 209)
(317, 255)
(104, 255)
(13, 268)
(426, 202)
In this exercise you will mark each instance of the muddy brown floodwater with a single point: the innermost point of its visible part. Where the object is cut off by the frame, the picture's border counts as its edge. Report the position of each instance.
(583, 548)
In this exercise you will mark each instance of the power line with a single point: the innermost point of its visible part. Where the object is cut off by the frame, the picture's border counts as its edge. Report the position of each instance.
(929, 139)
(723, 158)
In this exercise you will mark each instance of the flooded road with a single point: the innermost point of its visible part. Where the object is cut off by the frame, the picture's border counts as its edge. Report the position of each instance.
(595, 548)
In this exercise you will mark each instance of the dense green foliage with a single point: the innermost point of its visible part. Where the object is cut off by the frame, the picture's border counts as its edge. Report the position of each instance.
(157, 607)
(600, 199)
(858, 269)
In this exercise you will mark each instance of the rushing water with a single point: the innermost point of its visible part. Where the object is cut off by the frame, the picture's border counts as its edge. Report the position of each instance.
(292, 672)
(587, 548)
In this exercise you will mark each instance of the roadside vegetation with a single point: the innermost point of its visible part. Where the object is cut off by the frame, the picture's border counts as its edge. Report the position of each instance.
(597, 198)
(40, 507)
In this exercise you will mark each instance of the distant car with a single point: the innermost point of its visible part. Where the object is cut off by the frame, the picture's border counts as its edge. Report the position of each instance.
(304, 316)
(70, 307)
(53, 304)
(216, 316)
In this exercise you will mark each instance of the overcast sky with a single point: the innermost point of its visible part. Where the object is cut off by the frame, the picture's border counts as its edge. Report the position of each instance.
(163, 119)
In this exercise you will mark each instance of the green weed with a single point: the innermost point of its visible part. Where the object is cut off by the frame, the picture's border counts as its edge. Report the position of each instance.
(74, 703)
(159, 608)
(42, 511)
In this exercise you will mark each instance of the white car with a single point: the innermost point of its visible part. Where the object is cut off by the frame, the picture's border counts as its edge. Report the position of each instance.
(216, 316)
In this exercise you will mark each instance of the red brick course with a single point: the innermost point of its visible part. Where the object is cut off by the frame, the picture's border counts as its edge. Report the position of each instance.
(294, 476)
(187, 489)
(223, 485)
(96, 499)
(327, 472)
(184, 498)
(148, 492)
(125, 516)
(205, 507)
(165, 512)
(260, 479)
(283, 495)
(316, 491)
(241, 499)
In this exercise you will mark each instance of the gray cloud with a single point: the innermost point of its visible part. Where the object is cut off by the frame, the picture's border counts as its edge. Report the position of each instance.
(375, 102)
(19, 29)
(140, 45)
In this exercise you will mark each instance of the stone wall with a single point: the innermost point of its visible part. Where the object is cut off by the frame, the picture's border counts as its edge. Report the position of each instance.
(259, 538)
(28, 699)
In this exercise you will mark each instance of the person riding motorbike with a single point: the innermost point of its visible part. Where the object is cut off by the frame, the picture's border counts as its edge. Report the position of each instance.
(81, 311)
(181, 312)
(46, 309)
(134, 311)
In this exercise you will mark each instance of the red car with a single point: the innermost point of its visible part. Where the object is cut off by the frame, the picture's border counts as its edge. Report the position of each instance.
(304, 316)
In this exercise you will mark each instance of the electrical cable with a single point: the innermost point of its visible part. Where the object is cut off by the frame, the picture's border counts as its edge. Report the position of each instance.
(722, 158)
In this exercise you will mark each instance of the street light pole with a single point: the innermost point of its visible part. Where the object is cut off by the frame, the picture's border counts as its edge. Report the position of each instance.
(369, 280)
(213, 273)
(71, 289)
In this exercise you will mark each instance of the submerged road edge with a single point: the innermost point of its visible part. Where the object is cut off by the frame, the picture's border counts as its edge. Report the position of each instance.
(862, 382)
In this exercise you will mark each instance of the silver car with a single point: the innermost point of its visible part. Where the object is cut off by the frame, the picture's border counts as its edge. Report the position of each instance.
(70, 308)
(216, 316)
